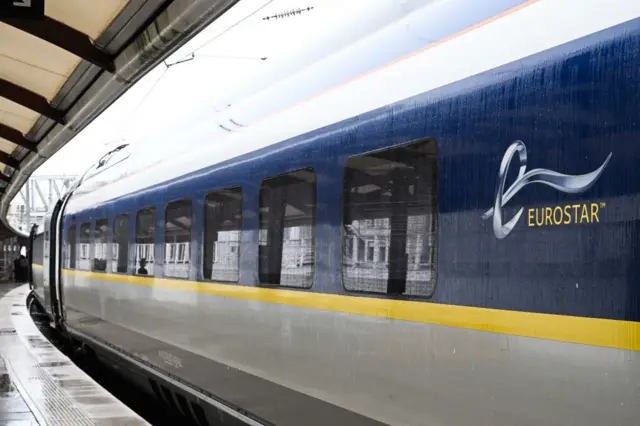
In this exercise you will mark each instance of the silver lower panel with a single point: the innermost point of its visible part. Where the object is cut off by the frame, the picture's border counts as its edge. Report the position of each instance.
(390, 371)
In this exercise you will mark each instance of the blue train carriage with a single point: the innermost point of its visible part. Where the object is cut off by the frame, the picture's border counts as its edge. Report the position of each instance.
(413, 247)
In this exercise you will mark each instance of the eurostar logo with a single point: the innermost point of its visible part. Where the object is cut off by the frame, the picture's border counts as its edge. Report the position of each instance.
(570, 184)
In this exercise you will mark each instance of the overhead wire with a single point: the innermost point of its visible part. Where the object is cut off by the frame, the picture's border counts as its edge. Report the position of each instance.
(189, 56)
(217, 36)
(205, 55)
(133, 112)
(289, 13)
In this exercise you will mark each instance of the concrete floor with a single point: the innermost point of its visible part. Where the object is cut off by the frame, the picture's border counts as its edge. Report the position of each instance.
(41, 386)
(14, 411)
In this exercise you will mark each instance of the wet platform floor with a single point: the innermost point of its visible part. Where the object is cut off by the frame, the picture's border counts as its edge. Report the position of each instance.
(13, 409)
(38, 384)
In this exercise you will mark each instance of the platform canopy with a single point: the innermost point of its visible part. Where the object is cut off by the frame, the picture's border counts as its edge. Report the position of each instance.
(60, 70)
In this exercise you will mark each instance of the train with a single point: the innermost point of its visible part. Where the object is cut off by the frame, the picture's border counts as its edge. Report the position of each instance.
(449, 238)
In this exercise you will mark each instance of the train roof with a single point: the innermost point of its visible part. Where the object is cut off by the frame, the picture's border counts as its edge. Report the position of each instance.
(466, 53)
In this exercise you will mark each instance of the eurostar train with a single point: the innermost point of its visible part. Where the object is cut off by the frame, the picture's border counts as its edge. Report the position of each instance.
(452, 238)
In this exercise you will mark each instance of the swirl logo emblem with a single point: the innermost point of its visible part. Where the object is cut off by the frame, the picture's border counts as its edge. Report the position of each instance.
(570, 184)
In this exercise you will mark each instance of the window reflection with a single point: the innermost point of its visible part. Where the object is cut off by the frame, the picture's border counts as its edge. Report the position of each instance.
(145, 241)
(390, 221)
(287, 229)
(222, 235)
(177, 239)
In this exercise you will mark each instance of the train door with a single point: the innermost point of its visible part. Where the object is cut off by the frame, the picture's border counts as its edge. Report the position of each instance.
(30, 248)
(46, 250)
(52, 260)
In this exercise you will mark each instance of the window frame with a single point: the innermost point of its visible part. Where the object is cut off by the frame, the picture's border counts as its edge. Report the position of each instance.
(93, 245)
(80, 244)
(204, 232)
(436, 204)
(314, 222)
(135, 242)
(176, 247)
(72, 244)
(128, 243)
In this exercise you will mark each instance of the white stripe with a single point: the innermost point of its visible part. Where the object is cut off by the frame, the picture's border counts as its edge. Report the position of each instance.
(533, 29)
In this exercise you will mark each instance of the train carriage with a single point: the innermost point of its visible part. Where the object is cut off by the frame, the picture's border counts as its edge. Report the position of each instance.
(450, 239)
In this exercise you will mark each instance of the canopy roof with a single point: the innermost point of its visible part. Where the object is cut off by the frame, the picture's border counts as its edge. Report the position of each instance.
(59, 73)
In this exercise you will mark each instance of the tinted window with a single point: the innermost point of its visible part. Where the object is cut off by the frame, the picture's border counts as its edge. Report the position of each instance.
(84, 241)
(177, 239)
(100, 245)
(287, 228)
(145, 241)
(71, 247)
(120, 244)
(222, 235)
(390, 214)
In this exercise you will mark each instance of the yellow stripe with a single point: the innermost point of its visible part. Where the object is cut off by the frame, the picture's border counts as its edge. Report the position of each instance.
(590, 331)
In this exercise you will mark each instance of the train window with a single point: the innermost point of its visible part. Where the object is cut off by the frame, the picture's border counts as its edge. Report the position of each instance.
(84, 240)
(390, 213)
(71, 247)
(120, 244)
(287, 229)
(177, 239)
(222, 235)
(145, 241)
(100, 245)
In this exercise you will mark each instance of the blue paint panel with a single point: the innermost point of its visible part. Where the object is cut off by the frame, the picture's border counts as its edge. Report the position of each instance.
(571, 105)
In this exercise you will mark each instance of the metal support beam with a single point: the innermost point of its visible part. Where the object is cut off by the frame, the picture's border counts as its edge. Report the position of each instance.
(50, 200)
(9, 161)
(64, 37)
(14, 136)
(38, 191)
(30, 100)
(55, 187)
(23, 194)
(35, 199)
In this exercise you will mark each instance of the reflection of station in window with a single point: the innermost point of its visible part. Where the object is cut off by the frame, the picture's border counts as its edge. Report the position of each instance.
(120, 244)
(84, 241)
(226, 255)
(176, 258)
(287, 229)
(144, 253)
(297, 253)
(145, 241)
(100, 245)
(390, 220)
(222, 235)
(177, 239)
(71, 247)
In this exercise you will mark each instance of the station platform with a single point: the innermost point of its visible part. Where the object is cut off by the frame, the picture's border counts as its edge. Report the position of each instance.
(39, 385)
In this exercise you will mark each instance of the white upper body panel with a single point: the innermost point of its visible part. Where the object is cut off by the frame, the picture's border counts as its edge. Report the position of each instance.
(533, 27)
